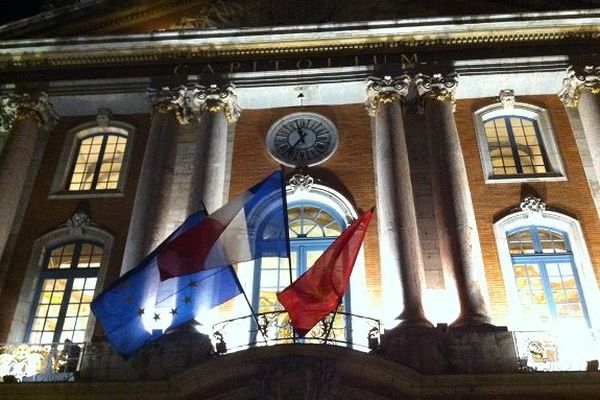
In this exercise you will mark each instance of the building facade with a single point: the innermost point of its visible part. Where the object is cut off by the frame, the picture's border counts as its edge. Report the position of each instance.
(473, 129)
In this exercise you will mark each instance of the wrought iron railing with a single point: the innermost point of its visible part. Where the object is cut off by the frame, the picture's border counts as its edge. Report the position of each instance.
(557, 350)
(39, 362)
(270, 328)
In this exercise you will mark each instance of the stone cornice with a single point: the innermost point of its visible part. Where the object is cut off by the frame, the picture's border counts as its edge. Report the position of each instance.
(410, 35)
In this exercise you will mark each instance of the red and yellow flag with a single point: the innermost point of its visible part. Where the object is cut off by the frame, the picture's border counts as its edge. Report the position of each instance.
(320, 289)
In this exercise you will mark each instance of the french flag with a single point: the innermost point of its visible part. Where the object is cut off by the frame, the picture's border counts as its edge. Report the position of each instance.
(251, 226)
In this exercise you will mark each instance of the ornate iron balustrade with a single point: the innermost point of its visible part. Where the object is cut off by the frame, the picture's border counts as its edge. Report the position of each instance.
(39, 362)
(557, 350)
(270, 328)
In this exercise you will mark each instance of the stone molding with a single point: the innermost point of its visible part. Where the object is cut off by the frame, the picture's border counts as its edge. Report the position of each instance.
(78, 222)
(587, 78)
(436, 87)
(386, 90)
(188, 103)
(15, 107)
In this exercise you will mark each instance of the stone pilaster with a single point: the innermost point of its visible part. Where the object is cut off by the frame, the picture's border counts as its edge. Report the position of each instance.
(147, 227)
(398, 230)
(217, 107)
(24, 125)
(458, 233)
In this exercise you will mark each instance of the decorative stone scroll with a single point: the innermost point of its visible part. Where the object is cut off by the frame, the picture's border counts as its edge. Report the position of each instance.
(577, 80)
(385, 90)
(165, 100)
(436, 87)
(215, 98)
(507, 98)
(301, 183)
(532, 205)
(15, 107)
(78, 222)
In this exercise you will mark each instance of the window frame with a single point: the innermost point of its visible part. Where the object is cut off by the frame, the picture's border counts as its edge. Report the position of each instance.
(41, 247)
(70, 152)
(544, 133)
(69, 274)
(582, 263)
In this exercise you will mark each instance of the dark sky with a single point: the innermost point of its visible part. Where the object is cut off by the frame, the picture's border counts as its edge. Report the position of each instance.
(11, 10)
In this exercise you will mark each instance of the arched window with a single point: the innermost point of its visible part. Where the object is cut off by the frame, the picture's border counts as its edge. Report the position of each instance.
(546, 277)
(65, 289)
(94, 161)
(313, 227)
(517, 144)
(548, 274)
(66, 267)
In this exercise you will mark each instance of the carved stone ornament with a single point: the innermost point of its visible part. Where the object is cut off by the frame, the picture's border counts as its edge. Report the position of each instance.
(15, 107)
(436, 87)
(299, 378)
(301, 183)
(215, 98)
(532, 205)
(507, 98)
(576, 81)
(78, 222)
(385, 90)
(165, 100)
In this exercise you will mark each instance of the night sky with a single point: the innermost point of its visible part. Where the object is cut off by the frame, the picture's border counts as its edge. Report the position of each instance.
(11, 10)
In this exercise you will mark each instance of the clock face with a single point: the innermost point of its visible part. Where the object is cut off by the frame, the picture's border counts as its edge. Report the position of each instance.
(302, 139)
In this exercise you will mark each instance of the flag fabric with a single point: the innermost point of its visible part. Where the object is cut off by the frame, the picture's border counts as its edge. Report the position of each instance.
(138, 308)
(251, 226)
(320, 289)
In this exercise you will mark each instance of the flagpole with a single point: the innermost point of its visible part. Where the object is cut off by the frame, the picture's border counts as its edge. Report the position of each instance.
(329, 328)
(249, 306)
(287, 235)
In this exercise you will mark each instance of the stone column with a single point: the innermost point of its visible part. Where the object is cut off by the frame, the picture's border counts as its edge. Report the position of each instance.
(399, 234)
(459, 238)
(581, 89)
(24, 125)
(217, 107)
(146, 230)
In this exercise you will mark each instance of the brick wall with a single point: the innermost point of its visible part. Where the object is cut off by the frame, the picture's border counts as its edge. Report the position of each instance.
(44, 215)
(349, 170)
(493, 201)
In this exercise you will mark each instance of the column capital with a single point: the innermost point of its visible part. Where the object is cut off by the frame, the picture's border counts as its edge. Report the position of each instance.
(385, 90)
(168, 99)
(14, 107)
(436, 87)
(215, 98)
(587, 78)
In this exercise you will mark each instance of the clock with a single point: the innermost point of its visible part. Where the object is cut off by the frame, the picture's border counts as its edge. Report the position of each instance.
(302, 139)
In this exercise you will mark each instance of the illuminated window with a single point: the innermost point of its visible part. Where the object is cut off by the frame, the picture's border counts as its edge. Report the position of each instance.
(98, 163)
(94, 161)
(548, 274)
(517, 144)
(65, 290)
(546, 278)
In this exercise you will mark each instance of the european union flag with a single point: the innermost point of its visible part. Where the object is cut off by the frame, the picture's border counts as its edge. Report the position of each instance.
(138, 307)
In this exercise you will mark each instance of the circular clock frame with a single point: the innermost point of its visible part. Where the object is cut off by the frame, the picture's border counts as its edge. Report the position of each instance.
(302, 139)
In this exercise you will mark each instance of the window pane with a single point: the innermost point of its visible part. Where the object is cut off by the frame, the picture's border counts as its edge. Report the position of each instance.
(99, 162)
(63, 303)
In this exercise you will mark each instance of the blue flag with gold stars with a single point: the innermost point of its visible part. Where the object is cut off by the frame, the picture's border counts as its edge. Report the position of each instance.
(138, 308)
